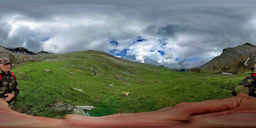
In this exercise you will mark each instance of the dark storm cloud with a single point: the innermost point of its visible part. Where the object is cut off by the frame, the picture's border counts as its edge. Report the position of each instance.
(193, 31)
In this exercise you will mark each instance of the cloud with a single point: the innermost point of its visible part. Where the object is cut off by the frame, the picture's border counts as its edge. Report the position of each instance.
(177, 33)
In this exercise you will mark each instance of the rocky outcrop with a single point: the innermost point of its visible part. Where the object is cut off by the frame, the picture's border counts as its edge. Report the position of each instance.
(233, 60)
(21, 50)
(20, 55)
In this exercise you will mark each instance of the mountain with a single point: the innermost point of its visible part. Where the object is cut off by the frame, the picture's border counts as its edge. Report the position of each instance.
(21, 50)
(20, 55)
(233, 60)
(110, 84)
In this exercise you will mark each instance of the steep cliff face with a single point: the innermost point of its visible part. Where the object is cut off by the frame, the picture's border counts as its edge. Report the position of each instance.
(234, 60)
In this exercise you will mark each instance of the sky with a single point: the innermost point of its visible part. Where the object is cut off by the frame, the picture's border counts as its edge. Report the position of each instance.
(173, 33)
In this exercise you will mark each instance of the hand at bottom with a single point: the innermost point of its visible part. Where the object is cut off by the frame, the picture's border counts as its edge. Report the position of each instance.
(235, 112)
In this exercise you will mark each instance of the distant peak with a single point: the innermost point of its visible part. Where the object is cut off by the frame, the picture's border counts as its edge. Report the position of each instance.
(233, 60)
(21, 50)
(248, 44)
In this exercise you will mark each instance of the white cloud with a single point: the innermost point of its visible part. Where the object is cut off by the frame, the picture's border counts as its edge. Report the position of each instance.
(74, 33)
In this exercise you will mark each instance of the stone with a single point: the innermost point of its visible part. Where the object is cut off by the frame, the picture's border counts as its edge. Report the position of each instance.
(47, 70)
(111, 85)
(60, 106)
(79, 90)
(125, 93)
(227, 73)
(82, 110)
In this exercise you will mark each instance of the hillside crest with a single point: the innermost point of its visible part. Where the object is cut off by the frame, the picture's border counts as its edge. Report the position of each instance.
(235, 60)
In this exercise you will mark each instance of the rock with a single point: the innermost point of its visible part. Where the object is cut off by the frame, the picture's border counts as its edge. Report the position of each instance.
(60, 106)
(111, 85)
(79, 110)
(246, 62)
(47, 70)
(82, 110)
(79, 90)
(125, 93)
(87, 108)
(227, 73)
(94, 70)
(21, 50)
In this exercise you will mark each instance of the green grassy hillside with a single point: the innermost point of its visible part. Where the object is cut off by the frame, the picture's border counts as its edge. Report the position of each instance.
(150, 87)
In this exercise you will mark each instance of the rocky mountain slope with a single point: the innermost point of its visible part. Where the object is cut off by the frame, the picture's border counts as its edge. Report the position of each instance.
(233, 60)
(110, 84)
(20, 55)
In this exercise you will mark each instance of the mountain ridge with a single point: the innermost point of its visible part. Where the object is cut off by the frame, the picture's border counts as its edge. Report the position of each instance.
(21, 55)
(235, 60)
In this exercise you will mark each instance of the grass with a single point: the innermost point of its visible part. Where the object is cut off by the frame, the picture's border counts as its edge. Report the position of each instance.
(150, 87)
